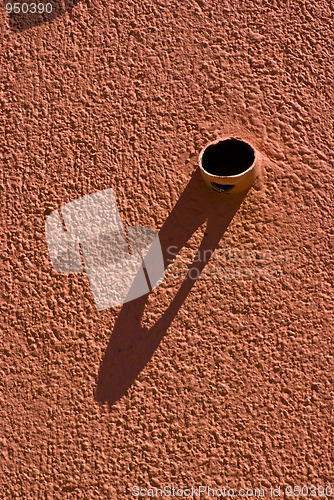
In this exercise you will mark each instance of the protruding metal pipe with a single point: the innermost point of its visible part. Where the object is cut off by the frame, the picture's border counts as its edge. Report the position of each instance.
(229, 165)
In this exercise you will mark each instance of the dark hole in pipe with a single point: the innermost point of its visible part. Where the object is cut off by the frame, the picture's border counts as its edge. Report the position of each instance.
(228, 157)
(222, 188)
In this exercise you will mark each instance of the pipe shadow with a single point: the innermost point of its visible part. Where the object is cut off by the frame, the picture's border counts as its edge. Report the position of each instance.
(26, 15)
(131, 346)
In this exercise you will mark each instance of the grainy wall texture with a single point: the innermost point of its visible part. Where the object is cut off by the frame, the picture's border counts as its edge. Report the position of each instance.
(226, 381)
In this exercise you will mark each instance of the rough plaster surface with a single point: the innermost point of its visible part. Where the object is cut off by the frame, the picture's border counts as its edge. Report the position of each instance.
(239, 390)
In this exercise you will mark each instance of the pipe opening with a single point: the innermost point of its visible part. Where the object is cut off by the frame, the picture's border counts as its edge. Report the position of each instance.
(222, 188)
(228, 157)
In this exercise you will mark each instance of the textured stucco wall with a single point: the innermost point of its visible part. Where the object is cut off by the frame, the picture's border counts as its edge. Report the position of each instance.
(239, 391)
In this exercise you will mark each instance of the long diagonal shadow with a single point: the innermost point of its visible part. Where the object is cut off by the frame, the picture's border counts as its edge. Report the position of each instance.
(131, 345)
